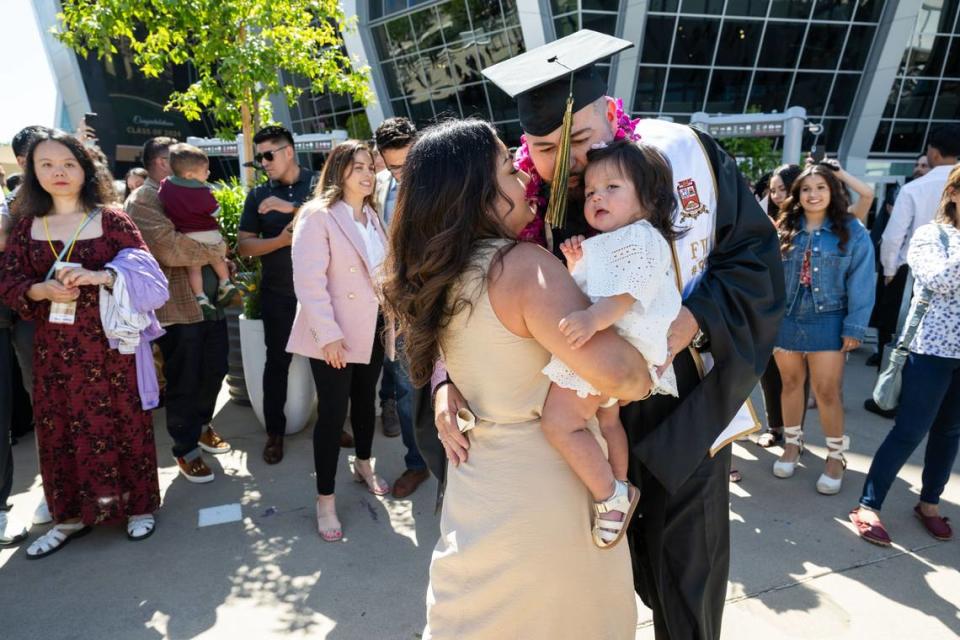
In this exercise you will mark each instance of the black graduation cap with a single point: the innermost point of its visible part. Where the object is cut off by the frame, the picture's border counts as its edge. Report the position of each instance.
(540, 79)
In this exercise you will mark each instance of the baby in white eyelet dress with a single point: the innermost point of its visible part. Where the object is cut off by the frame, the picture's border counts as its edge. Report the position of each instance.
(627, 272)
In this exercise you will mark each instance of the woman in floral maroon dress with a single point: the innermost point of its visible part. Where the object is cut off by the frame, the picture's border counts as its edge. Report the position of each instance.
(97, 454)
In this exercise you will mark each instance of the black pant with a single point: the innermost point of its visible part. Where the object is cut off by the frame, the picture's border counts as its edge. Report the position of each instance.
(194, 363)
(886, 310)
(278, 312)
(22, 337)
(22, 407)
(6, 416)
(357, 385)
(680, 547)
(772, 388)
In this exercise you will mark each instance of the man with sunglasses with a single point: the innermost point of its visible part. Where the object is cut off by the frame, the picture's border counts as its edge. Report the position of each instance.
(266, 230)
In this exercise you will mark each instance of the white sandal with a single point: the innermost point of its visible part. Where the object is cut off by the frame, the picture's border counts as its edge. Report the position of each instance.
(607, 533)
(55, 539)
(831, 486)
(140, 527)
(794, 436)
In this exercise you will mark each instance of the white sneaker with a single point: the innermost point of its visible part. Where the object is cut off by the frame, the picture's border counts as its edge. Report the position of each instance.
(11, 531)
(42, 514)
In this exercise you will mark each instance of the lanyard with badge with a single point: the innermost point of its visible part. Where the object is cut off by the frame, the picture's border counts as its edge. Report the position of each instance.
(64, 312)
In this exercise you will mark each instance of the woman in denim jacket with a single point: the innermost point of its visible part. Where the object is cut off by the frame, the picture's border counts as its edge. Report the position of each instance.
(830, 280)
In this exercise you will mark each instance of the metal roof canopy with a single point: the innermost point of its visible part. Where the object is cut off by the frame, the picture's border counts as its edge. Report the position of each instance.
(302, 142)
(789, 124)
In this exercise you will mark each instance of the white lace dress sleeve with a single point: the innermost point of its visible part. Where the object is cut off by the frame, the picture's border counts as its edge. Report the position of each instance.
(636, 260)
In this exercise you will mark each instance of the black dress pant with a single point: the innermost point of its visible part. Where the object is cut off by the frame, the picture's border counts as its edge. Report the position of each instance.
(278, 312)
(356, 386)
(6, 416)
(680, 546)
(772, 388)
(194, 363)
(886, 310)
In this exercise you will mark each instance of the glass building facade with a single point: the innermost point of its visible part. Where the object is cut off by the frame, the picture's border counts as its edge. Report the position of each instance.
(717, 56)
(740, 56)
(430, 58)
(926, 92)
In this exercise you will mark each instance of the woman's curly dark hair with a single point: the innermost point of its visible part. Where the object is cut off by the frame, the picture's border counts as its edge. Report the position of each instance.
(649, 171)
(97, 190)
(445, 207)
(791, 212)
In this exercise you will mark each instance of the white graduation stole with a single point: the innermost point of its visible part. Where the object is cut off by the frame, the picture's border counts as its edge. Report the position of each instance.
(696, 193)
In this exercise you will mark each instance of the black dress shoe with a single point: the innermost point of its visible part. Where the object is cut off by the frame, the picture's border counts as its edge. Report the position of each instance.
(872, 407)
(273, 451)
(873, 360)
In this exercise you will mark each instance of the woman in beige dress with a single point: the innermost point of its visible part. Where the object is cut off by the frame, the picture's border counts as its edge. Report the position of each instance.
(515, 558)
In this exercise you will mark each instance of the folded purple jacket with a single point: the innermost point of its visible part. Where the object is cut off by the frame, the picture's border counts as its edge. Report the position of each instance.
(147, 290)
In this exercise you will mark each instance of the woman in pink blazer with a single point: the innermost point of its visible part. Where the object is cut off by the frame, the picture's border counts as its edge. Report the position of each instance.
(338, 247)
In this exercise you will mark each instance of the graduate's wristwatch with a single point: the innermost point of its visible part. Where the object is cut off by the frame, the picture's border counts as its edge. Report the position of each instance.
(700, 340)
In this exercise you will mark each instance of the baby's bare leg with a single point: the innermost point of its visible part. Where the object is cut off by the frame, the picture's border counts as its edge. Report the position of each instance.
(195, 277)
(565, 417)
(220, 268)
(613, 432)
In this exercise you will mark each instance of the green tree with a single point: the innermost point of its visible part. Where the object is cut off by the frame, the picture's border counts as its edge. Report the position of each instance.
(755, 156)
(358, 127)
(238, 48)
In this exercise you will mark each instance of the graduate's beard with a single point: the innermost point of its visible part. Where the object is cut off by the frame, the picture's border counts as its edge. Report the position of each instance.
(575, 200)
(575, 191)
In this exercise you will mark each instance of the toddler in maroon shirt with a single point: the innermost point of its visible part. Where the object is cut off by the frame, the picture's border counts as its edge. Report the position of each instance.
(190, 205)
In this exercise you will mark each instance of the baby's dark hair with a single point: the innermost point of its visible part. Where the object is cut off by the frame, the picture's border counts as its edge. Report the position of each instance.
(648, 170)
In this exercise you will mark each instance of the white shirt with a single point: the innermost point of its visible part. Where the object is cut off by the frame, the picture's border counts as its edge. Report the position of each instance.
(376, 252)
(915, 206)
(637, 260)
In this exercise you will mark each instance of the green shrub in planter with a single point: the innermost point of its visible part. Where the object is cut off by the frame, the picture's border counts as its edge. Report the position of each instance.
(231, 195)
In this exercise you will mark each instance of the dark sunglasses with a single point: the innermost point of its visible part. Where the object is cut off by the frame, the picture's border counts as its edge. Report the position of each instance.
(267, 155)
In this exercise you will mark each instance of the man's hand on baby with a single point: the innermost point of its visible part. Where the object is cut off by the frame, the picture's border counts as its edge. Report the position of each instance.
(572, 249)
(578, 327)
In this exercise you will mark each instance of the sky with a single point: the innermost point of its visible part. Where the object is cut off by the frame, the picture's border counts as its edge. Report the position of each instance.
(28, 93)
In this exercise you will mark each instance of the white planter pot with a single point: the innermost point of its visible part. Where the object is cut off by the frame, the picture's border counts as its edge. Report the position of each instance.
(301, 392)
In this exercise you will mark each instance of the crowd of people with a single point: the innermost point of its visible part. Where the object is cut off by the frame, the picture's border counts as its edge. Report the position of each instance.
(551, 372)
(863, 286)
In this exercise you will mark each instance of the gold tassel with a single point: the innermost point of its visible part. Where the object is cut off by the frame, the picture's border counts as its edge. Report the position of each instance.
(557, 207)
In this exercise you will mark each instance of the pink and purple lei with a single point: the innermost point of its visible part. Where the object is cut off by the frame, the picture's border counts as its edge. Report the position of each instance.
(537, 188)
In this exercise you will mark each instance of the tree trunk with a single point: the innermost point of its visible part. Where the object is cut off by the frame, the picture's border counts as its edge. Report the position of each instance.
(247, 130)
(246, 125)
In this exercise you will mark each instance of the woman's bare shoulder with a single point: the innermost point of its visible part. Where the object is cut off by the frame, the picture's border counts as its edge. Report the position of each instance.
(527, 258)
(527, 267)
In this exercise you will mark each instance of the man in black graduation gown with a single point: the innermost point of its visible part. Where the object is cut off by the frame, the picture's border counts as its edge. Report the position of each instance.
(680, 544)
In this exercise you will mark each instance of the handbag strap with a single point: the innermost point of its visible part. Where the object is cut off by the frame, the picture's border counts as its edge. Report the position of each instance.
(923, 301)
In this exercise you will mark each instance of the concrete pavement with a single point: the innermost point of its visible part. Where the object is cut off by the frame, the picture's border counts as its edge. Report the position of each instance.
(797, 569)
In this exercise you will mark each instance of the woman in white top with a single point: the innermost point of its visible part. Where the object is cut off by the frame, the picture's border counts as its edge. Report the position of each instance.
(338, 249)
(930, 395)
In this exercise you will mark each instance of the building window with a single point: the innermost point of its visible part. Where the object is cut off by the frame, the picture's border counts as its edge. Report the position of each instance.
(430, 58)
(925, 93)
(752, 55)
